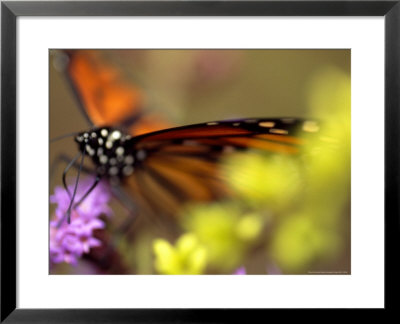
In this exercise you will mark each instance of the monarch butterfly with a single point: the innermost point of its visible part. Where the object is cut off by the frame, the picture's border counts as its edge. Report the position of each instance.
(161, 168)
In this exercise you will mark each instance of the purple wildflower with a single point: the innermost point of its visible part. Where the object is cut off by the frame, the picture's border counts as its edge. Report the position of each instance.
(69, 241)
(94, 204)
(240, 271)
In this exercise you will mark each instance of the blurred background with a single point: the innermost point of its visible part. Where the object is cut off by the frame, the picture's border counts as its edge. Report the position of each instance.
(291, 215)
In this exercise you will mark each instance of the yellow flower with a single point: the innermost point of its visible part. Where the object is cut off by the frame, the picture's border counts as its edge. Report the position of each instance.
(317, 230)
(249, 227)
(187, 257)
(225, 230)
(264, 180)
(299, 241)
(328, 157)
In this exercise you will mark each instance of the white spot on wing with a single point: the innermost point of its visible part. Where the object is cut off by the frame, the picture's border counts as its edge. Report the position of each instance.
(109, 144)
(113, 171)
(129, 159)
(120, 150)
(310, 126)
(115, 135)
(278, 131)
(89, 149)
(266, 124)
(104, 132)
(103, 159)
(141, 155)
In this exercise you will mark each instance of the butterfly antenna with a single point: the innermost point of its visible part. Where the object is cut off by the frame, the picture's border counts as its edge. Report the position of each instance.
(68, 213)
(94, 185)
(63, 136)
(70, 164)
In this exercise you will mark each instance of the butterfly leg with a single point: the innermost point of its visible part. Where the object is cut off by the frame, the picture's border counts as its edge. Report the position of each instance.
(95, 183)
(63, 158)
(128, 204)
(72, 163)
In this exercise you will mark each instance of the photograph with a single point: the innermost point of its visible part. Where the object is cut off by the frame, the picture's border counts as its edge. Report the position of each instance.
(199, 161)
(159, 151)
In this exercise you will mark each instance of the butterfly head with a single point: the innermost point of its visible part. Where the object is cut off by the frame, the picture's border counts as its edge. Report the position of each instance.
(95, 138)
(110, 150)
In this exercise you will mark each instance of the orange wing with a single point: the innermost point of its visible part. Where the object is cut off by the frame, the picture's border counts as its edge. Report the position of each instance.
(105, 97)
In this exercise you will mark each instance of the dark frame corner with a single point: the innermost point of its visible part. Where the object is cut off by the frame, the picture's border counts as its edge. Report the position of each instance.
(10, 10)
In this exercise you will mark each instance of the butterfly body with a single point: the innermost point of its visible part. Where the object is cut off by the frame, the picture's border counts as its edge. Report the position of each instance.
(111, 151)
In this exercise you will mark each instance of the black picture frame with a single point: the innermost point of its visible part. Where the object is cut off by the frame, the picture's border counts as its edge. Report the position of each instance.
(11, 10)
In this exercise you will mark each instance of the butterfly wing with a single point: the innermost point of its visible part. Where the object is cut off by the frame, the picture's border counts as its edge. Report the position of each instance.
(182, 164)
(106, 98)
